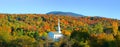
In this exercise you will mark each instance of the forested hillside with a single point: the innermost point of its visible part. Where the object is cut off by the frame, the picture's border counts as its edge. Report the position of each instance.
(28, 30)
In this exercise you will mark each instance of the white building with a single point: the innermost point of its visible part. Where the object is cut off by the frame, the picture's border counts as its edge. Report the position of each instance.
(57, 34)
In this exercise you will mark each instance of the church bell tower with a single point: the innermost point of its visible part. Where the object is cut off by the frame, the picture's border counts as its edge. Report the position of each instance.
(59, 31)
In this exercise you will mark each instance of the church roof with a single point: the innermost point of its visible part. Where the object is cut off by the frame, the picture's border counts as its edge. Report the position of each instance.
(55, 32)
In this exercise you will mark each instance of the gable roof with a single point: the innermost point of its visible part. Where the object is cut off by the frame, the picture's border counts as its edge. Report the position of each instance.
(55, 33)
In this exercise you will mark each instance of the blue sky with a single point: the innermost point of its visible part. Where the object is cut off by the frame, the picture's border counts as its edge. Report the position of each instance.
(104, 8)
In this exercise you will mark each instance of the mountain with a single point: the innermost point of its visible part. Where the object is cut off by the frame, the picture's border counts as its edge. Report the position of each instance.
(64, 13)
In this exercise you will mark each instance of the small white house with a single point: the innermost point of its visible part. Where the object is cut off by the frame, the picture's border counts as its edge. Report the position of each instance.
(56, 35)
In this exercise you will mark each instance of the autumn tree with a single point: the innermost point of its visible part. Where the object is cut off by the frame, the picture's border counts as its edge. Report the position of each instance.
(115, 28)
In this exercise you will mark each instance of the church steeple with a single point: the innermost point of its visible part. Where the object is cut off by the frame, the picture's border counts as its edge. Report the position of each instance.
(59, 31)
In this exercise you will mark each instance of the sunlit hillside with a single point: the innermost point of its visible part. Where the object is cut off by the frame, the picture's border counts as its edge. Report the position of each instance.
(31, 30)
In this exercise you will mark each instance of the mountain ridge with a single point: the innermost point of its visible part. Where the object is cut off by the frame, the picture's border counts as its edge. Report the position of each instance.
(64, 13)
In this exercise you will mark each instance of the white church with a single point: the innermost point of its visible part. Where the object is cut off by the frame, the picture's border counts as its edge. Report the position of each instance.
(56, 35)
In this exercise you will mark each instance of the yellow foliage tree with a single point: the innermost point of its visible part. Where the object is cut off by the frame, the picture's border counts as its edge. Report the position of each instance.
(115, 27)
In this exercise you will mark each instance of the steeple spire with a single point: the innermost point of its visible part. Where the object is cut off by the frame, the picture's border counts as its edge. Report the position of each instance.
(59, 31)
